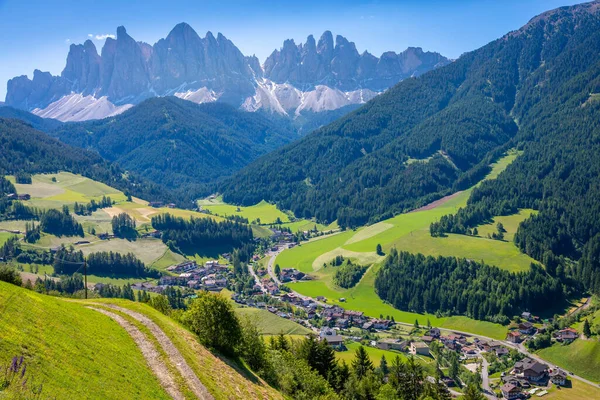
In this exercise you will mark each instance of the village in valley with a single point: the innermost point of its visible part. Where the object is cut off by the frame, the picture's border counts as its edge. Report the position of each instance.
(504, 368)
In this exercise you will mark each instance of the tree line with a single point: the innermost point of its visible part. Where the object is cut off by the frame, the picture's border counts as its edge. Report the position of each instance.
(457, 286)
(68, 261)
(197, 233)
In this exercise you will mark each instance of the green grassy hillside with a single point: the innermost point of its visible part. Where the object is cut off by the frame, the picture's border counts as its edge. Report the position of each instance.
(581, 357)
(270, 324)
(409, 232)
(77, 352)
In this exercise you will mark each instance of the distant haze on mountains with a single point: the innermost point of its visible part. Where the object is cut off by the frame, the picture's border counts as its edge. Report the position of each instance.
(308, 77)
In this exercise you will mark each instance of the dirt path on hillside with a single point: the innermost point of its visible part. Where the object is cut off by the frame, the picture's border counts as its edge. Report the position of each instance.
(173, 353)
(436, 203)
(150, 353)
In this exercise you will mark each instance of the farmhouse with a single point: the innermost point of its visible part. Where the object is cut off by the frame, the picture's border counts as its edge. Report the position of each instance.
(392, 344)
(566, 335)
(434, 332)
(183, 267)
(514, 337)
(526, 328)
(510, 391)
(558, 376)
(24, 196)
(419, 348)
(155, 204)
(530, 369)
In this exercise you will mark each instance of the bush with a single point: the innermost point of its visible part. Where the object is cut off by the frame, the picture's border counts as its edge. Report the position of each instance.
(212, 318)
(10, 275)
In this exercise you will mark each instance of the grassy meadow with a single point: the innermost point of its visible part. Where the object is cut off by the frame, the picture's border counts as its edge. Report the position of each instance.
(581, 357)
(66, 345)
(271, 324)
(408, 232)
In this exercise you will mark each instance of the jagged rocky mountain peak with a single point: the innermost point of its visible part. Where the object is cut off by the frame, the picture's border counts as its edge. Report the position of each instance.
(312, 76)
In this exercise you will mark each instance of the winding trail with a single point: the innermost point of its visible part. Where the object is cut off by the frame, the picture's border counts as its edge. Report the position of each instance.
(172, 352)
(150, 353)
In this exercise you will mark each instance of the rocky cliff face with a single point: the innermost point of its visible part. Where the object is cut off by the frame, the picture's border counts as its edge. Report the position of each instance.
(314, 76)
(341, 66)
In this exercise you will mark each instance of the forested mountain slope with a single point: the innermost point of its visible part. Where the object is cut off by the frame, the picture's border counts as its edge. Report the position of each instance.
(39, 123)
(358, 168)
(178, 143)
(558, 109)
(26, 150)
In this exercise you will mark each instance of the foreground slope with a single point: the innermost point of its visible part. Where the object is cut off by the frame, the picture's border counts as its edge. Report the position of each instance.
(362, 167)
(76, 351)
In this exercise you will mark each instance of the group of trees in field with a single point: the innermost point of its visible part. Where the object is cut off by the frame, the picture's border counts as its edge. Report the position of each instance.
(60, 223)
(123, 226)
(198, 233)
(348, 274)
(68, 261)
(452, 286)
(93, 205)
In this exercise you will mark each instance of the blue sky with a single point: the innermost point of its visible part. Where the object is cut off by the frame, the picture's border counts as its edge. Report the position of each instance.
(37, 33)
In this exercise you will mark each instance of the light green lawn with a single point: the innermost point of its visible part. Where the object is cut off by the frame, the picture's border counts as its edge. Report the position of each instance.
(581, 357)
(68, 189)
(271, 324)
(376, 353)
(4, 236)
(577, 390)
(267, 213)
(74, 351)
(148, 250)
(167, 259)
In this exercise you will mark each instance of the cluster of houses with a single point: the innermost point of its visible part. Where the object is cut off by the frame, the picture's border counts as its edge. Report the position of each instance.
(528, 372)
(291, 275)
(159, 204)
(212, 276)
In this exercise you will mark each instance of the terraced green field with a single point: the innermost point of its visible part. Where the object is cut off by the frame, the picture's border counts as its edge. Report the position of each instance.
(409, 232)
(264, 212)
(267, 213)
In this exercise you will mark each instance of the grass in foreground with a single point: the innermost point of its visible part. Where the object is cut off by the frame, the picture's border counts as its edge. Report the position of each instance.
(223, 378)
(74, 351)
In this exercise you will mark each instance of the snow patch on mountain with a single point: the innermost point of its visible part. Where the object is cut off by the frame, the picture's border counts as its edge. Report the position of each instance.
(76, 107)
(285, 99)
(202, 95)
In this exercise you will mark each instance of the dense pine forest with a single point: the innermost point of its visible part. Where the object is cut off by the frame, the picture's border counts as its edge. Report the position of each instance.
(559, 169)
(451, 286)
(180, 144)
(201, 233)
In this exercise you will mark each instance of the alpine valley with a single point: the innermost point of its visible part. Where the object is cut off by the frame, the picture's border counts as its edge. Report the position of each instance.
(182, 221)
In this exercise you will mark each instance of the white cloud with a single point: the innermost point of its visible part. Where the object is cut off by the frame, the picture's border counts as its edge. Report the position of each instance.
(107, 35)
(67, 41)
(90, 35)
